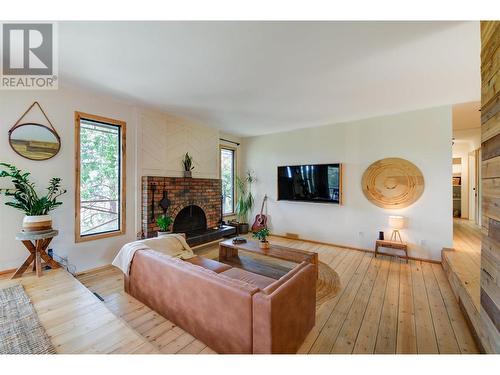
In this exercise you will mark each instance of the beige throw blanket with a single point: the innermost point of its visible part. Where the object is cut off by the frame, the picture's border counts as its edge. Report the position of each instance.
(173, 245)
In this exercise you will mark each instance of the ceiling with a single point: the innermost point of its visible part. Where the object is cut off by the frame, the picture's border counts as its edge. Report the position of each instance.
(466, 115)
(467, 124)
(251, 78)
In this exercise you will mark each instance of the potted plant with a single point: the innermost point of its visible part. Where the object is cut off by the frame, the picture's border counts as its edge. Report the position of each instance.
(187, 163)
(164, 222)
(26, 199)
(245, 201)
(262, 235)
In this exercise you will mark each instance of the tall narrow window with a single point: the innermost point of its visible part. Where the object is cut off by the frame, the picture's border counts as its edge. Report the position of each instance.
(100, 177)
(227, 169)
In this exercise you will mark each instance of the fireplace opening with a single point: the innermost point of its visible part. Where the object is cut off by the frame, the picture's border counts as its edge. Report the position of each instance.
(190, 220)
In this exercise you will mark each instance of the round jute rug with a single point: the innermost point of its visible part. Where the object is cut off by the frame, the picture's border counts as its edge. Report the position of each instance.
(328, 284)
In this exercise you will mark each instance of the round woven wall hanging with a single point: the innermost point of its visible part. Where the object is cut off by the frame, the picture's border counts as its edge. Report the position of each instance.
(393, 183)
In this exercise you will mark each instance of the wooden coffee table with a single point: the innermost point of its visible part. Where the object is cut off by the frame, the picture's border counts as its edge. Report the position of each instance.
(228, 250)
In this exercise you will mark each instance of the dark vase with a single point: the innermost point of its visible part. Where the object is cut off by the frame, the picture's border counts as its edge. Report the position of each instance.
(243, 228)
(381, 236)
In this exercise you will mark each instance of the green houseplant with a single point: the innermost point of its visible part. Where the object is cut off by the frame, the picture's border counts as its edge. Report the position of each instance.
(245, 201)
(164, 222)
(187, 163)
(262, 235)
(25, 198)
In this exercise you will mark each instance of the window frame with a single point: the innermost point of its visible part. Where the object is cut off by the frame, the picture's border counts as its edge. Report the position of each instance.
(122, 125)
(233, 150)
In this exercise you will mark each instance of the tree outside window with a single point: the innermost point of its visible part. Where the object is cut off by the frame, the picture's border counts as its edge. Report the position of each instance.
(227, 172)
(100, 190)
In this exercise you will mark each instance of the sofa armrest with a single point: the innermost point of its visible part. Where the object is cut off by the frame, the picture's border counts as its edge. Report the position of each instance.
(283, 318)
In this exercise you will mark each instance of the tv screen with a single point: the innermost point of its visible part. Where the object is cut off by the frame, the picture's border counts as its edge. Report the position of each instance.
(310, 183)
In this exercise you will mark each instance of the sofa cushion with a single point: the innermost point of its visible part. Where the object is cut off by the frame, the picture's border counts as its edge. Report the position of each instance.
(249, 277)
(228, 281)
(209, 264)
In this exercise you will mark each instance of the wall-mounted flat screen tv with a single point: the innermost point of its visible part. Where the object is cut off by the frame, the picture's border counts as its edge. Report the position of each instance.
(320, 183)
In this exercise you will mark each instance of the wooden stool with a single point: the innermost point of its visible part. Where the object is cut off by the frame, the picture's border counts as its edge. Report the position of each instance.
(37, 244)
(391, 245)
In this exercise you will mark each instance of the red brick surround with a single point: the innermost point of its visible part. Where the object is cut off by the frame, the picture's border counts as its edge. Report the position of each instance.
(182, 192)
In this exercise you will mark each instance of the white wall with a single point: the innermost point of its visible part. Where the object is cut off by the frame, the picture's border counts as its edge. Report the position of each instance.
(422, 137)
(162, 141)
(60, 106)
(156, 143)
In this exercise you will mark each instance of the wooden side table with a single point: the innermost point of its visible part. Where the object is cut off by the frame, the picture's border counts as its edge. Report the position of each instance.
(37, 244)
(391, 245)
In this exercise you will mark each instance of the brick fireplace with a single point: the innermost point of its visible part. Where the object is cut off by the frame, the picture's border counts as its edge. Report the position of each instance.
(183, 193)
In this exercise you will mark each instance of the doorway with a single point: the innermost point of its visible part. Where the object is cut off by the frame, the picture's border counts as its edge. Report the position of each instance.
(464, 260)
(466, 146)
(475, 186)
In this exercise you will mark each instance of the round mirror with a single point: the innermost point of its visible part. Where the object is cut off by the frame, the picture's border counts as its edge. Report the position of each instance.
(34, 141)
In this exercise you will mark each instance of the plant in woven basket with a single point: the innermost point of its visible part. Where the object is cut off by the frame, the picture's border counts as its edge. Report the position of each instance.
(25, 198)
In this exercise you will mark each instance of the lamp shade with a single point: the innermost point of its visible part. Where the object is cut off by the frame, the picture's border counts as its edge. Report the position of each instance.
(396, 222)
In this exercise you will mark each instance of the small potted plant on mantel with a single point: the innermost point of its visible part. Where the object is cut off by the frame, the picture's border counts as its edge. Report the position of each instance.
(164, 222)
(187, 163)
(25, 198)
(262, 235)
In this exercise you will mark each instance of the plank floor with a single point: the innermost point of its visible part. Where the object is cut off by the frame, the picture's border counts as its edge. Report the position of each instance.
(465, 258)
(385, 306)
(75, 320)
(462, 265)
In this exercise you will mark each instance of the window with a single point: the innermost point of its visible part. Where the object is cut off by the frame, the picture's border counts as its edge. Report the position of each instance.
(100, 177)
(227, 168)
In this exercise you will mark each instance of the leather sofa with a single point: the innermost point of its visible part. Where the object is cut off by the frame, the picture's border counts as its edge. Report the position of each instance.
(229, 309)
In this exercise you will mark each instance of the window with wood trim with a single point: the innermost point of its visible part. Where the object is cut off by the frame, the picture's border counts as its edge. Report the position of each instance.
(100, 177)
(227, 175)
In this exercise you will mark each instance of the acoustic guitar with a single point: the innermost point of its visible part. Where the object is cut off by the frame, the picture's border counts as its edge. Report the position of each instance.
(261, 219)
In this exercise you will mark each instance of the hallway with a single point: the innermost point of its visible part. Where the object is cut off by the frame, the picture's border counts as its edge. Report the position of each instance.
(464, 260)
(467, 239)
(462, 265)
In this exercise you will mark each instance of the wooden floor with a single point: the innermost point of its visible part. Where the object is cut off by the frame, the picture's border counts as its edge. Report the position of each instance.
(385, 306)
(464, 260)
(462, 265)
(75, 320)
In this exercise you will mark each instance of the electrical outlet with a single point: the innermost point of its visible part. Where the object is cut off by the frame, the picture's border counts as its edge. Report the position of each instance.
(423, 243)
